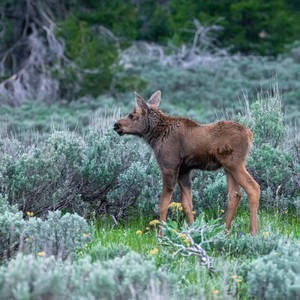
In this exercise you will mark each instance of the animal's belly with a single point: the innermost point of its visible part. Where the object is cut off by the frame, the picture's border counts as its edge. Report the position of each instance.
(204, 162)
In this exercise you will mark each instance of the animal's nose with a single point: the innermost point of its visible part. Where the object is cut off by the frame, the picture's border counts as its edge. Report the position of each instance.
(116, 126)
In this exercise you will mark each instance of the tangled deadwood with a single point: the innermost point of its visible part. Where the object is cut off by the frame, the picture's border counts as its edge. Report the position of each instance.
(28, 60)
(34, 64)
(201, 51)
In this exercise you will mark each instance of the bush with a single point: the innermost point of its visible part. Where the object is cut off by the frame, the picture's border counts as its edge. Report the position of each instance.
(47, 176)
(247, 245)
(116, 173)
(11, 229)
(270, 160)
(59, 235)
(277, 275)
(104, 253)
(129, 277)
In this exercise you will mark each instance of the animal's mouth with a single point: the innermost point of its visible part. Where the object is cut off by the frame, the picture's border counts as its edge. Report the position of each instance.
(118, 130)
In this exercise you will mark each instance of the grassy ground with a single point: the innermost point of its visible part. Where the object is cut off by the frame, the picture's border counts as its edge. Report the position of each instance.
(192, 279)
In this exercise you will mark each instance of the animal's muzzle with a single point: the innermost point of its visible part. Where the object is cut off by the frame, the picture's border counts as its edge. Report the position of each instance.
(118, 129)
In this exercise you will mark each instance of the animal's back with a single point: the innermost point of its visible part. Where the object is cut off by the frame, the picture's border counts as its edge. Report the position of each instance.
(210, 146)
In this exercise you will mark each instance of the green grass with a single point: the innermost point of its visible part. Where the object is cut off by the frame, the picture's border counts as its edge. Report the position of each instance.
(192, 279)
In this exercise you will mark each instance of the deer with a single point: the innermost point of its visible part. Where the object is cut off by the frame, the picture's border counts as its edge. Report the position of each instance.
(181, 145)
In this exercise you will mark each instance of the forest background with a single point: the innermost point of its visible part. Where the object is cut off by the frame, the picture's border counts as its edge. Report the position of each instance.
(79, 204)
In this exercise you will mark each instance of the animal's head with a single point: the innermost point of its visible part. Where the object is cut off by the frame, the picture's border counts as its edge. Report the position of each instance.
(136, 122)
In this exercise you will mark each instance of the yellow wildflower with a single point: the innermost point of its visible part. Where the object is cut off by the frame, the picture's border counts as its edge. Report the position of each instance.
(215, 292)
(193, 212)
(173, 230)
(139, 232)
(188, 242)
(27, 239)
(236, 279)
(266, 234)
(29, 214)
(147, 228)
(154, 222)
(154, 251)
(222, 211)
(175, 206)
(180, 208)
(182, 235)
(85, 235)
(42, 253)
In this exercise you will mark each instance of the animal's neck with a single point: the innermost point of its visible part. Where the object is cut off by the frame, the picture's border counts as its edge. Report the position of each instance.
(159, 127)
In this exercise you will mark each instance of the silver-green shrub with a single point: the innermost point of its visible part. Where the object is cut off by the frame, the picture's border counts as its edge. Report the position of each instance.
(116, 175)
(129, 277)
(103, 253)
(47, 176)
(11, 229)
(58, 235)
(277, 275)
(247, 245)
(98, 173)
(270, 159)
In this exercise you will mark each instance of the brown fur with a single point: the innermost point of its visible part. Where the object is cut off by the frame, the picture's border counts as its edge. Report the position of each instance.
(181, 145)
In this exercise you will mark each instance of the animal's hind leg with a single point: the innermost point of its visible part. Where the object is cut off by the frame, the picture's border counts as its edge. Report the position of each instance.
(234, 197)
(185, 184)
(252, 189)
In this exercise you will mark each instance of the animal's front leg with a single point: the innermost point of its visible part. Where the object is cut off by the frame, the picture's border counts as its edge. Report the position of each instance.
(184, 180)
(169, 178)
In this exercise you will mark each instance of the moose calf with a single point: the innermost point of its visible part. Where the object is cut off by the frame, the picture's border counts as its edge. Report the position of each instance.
(181, 145)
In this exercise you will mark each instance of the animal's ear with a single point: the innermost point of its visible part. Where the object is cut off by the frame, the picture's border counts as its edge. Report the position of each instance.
(155, 98)
(140, 103)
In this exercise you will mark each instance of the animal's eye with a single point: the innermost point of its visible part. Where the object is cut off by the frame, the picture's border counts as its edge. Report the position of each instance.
(130, 116)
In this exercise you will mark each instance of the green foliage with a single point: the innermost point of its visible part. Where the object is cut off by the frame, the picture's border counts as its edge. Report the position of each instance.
(104, 253)
(28, 277)
(240, 245)
(270, 160)
(276, 276)
(58, 235)
(93, 52)
(266, 120)
(94, 174)
(11, 229)
(47, 177)
(249, 26)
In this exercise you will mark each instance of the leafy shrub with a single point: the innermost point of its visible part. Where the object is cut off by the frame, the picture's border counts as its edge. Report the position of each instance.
(58, 235)
(98, 173)
(210, 191)
(115, 172)
(11, 229)
(247, 245)
(265, 118)
(277, 275)
(47, 176)
(99, 252)
(93, 52)
(270, 160)
(129, 277)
